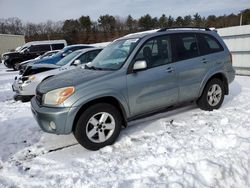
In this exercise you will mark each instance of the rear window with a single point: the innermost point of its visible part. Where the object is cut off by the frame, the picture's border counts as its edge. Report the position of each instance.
(208, 44)
(57, 46)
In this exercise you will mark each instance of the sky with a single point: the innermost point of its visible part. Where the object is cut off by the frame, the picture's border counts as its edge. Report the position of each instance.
(59, 10)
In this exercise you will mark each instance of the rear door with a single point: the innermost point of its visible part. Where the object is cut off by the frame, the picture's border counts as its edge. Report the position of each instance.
(155, 87)
(190, 66)
(210, 50)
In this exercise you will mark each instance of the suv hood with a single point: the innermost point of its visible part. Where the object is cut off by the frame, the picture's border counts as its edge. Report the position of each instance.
(36, 66)
(49, 60)
(70, 78)
(12, 54)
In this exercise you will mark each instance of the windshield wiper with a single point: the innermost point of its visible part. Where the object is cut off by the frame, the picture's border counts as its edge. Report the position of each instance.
(92, 67)
(98, 68)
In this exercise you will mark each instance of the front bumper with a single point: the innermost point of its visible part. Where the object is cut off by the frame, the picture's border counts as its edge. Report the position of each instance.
(23, 88)
(61, 117)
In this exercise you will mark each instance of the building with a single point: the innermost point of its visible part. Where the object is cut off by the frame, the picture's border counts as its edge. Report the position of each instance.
(10, 42)
(238, 41)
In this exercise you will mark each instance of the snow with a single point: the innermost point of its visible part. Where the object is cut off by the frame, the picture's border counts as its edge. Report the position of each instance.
(185, 147)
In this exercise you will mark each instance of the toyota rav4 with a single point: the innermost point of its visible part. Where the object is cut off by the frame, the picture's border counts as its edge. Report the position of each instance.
(134, 76)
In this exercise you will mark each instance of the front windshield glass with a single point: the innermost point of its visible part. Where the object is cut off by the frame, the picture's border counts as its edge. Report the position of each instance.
(68, 58)
(114, 55)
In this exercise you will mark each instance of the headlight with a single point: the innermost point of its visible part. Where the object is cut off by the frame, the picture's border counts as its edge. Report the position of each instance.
(30, 78)
(58, 96)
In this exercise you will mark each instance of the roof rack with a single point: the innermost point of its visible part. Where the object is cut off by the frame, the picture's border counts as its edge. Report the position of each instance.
(169, 28)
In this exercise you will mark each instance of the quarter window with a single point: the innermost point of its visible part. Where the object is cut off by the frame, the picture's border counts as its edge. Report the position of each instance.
(156, 52)
(208, 44)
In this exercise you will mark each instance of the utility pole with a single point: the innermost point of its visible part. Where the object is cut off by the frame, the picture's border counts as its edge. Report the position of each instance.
(241, 18)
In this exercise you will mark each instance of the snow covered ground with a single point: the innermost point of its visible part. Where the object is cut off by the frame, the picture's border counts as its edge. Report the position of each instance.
(186, 147)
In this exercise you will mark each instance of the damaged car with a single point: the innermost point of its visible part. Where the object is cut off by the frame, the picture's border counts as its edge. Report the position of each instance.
(25, 85)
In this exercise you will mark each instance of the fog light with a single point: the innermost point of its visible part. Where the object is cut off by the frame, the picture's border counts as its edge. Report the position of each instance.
(52, 125)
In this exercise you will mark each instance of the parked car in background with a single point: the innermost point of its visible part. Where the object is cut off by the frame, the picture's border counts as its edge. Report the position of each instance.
(57, 57)
(25, 86)
(31, 50)
(45, 55)
(135, 76)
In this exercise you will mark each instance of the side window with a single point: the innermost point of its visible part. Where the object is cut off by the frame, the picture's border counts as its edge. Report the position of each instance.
(83, 58)
(156, 52)
(57, 46)
(92, 55)
(89, 56)
(185, 46)
(40, 48)
(208, 44)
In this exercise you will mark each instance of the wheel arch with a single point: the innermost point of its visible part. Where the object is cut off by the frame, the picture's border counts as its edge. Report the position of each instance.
(47, 77)
(106, 99)
(218, 75)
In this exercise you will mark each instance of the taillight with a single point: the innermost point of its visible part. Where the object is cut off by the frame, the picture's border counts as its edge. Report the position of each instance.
(231, 58)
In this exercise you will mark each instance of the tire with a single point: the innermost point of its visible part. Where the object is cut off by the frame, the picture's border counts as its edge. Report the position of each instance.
(85, 129)
(212, 96)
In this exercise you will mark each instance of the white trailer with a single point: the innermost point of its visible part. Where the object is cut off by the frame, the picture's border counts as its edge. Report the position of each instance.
(238, 41)
(10, 42)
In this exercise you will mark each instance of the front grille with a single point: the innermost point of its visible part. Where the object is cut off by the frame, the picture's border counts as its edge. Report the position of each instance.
(39, 97)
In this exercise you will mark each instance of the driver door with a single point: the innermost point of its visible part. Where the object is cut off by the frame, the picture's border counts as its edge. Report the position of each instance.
(157, 86)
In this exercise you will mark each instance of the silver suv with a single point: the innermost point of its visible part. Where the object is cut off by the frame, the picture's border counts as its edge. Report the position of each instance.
(134, 76)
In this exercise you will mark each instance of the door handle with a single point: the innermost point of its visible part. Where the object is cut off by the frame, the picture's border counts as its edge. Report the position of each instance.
(170, 69)
(204, 61)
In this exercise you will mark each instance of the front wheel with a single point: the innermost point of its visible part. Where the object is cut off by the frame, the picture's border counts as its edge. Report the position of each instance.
(212, 96)
(98, 126)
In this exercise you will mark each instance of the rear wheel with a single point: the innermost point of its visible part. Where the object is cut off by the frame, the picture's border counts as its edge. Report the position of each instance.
(98, 126)
(212, 96)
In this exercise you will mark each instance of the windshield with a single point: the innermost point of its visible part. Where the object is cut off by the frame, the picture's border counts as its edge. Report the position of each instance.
(68, 58)
(114, 55)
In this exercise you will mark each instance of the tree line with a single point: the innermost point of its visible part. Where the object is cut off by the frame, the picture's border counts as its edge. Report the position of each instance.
(108, 27)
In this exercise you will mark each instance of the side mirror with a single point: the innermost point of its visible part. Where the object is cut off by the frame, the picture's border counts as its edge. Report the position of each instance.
(26, 51)
(77, 62)
(140, 65)
(64, 54)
